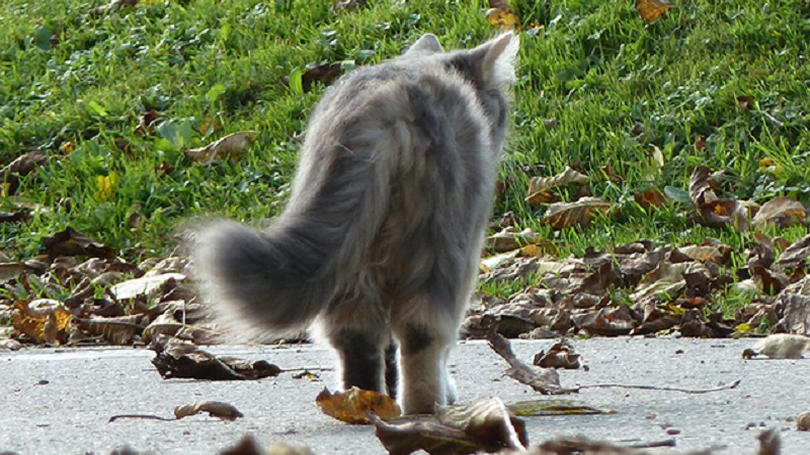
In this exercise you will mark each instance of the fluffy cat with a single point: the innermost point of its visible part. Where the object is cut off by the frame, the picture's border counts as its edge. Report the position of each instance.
(380, 241)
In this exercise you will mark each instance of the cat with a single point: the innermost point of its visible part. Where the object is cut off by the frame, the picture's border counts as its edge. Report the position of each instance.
(380, 241)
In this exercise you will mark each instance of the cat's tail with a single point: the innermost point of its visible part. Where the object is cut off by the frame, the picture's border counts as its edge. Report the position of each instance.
(276, 281)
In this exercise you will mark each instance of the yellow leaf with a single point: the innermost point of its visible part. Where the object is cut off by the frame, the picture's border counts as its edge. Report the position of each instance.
(650, 10)
(501, 16)
(106, 185)
(353, 405)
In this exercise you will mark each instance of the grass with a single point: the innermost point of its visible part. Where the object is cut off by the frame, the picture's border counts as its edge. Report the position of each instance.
(73, 84)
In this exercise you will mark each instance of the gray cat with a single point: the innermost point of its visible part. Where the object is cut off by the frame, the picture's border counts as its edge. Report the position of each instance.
(380, 242)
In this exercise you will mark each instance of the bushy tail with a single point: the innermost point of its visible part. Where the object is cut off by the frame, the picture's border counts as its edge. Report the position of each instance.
(279, 279)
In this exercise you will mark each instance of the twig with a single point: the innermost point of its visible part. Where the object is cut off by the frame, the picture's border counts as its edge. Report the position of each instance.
(731, 385)
(141, 416)
(289, 370)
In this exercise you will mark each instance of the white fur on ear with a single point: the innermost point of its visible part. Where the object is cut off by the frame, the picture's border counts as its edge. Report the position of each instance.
(501, 58)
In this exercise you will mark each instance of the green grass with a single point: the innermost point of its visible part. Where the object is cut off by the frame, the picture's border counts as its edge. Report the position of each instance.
(67, 77)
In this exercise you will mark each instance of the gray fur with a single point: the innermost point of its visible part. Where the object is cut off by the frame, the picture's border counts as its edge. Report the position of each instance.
(381, 238)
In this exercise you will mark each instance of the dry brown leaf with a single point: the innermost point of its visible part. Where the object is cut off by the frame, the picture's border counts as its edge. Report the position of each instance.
(509, 239)
(489, 422)
(354, 405)
(650, 10)
(411, 436)
(49, 325)
(543, 380)
(148, 286)
(71, 242)
(782, 211)
(803, 421)
(560, 355)
(610, 321)
(649, 199)
(230, 146)
(501, 16)
(543, 189)
(555, 406)
(180, 359)
(224, 411)
(20, 167)
(795, 311)
(713, 211)
(11, 270)
(119, 330)
(348, 6)
(569, 214)
(147, 122)
(796, 254)
(323, 74)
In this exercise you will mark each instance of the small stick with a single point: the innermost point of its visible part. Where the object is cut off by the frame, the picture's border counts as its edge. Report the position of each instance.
(141, 416)
(731, 385)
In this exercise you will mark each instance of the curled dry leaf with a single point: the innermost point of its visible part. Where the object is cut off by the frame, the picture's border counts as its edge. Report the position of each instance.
(230, 146)
(509, 239)
(711, 210)
(20, 167)
(348, 5)
(501, 16)
(559, 355)
(489, 422)
(119, 330)
(782, 211)
(224, 411)
(323, 74)
(543, 380)
(650, 10)
(354, 405)
(400, 438)
(48, 325)
(542, 189)
(71, 242)
(796, 254)
(146, 286)
(179, 359)
(649, 199)
(803, 421)
(569, 214)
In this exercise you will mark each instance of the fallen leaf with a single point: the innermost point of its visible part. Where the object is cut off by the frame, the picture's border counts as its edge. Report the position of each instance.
(769, 442)
(543, 380)
(47, 325)
(745, 102)
(115, 330)
(354, 405)
(650, 10)
(649, 199)
(348, 6)
(71, 242)
(224, 411)
(569, 214)
(301, 82)
(230, 146)
(560, 355)
(147, 122)
(501, 16)
(795, 311)
(489, 422)
(400, 438)
(803, 421)
(509, 239)
(20, 167)
(555, 406)
(146, 286)
(180, 359)
(796, 254)
(700, 142)
(542, 189)
(782, 211)
(711, 210)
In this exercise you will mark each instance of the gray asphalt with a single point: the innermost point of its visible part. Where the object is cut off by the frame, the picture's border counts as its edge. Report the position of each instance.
(59, 401)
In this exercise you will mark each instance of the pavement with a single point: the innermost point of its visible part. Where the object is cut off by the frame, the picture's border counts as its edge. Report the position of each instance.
(59, 401)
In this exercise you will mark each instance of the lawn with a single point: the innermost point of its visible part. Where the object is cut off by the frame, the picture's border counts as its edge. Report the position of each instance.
(113, 94)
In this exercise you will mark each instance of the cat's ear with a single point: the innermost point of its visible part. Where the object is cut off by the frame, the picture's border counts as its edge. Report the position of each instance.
(427, 44)
(497, 58)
